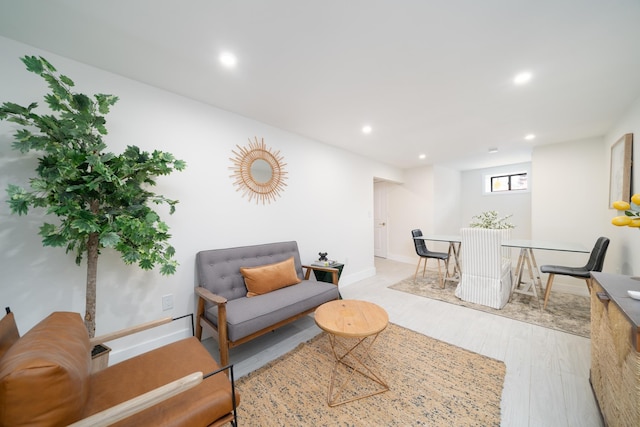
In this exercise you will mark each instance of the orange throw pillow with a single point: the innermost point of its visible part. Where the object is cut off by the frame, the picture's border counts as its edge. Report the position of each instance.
(267, 278)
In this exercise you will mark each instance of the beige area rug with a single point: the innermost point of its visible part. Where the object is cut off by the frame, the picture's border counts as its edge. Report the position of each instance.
(431, 383)
(565, 312)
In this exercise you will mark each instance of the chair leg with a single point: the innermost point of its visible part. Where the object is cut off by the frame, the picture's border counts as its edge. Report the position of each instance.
(418, 268)
(588, 280)
(547, 290)
(440, 275)
(424, 269)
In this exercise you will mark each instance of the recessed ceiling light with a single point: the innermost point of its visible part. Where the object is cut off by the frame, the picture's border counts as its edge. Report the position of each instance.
(366, 129)
(422, 156)
(227, 59)
(493, 150)
(530, 137)
(522, 78)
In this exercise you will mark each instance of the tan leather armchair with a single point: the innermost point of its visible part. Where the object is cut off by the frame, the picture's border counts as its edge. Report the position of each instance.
(46, 380)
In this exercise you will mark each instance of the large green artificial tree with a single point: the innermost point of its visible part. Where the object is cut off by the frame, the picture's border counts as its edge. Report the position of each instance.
(101, 199)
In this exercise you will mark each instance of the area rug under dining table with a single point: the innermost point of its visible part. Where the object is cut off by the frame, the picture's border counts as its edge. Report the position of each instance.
(431, 383)
(565, 312)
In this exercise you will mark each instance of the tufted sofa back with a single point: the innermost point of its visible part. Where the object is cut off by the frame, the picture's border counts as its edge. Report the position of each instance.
(218, 270)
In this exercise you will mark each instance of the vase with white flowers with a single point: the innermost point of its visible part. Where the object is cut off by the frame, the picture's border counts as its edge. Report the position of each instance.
(491, 219)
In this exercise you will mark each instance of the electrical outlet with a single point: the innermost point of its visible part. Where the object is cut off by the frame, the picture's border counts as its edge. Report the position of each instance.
(167, 302)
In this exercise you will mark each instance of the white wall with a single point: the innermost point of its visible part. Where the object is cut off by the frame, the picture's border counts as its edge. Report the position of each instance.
(569, 202)
(428, 199)
(518, 204)
(326, 206)
(624, 248)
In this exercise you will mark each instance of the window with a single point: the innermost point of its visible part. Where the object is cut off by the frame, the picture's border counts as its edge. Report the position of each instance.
(506, 183)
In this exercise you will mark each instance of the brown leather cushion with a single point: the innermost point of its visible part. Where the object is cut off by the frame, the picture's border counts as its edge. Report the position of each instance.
(199, 406)
(267, 278)
(8, 333)
(44, 377)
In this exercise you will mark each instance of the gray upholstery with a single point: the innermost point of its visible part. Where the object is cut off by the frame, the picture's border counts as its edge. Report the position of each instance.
(248, 315)
(218, 270)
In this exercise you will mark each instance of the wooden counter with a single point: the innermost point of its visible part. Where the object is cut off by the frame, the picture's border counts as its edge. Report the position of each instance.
(615, 348)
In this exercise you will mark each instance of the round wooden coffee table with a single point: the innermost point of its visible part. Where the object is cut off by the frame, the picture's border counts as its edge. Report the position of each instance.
(352, 326)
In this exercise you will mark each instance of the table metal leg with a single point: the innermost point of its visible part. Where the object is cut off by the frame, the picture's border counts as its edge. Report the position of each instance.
(342, 351)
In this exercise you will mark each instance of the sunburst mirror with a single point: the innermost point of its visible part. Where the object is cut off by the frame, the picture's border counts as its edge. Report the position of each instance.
(258, 172)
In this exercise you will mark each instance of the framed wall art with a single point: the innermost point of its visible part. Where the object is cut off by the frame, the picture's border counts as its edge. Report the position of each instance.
(620, 173)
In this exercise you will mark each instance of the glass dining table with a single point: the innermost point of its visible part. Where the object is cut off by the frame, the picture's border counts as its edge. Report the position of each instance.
(526, 258)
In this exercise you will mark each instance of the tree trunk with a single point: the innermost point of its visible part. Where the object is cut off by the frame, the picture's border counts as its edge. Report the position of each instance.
(92, 273)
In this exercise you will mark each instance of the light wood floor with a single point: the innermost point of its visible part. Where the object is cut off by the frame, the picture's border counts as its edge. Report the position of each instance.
(547, 380)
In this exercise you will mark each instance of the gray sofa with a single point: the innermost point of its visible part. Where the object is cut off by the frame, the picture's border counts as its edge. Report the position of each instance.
(230, 316)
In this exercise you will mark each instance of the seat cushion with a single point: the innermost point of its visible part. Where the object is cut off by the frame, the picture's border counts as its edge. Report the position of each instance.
(248, 315)
(198, 406)
(266, 278)
(567, 271)
(44, 376)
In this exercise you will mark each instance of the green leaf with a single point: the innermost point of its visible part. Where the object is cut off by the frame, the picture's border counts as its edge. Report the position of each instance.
(104, 102)
(85, 226)
(146, 264)
(131, 257)
(54, 240)
(66, 80)
(35, 65)
(12, 108)
(107, 157)
(19, 199)
(109, 240)
(54, 102)
(168, 269)
(81, 102)
(47, 65)
(179, 165)
(50, 236)
(47, 229)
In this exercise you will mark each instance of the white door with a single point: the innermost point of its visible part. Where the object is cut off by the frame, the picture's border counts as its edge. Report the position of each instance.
(380, 219)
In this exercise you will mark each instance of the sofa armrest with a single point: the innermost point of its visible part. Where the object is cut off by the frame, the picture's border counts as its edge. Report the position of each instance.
(333, 271)
(210, 296)
(223, 338)
(137, 404)
(128, 331)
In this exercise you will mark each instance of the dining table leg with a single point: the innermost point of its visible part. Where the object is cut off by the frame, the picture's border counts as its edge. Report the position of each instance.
(454, 254)
(528, 261)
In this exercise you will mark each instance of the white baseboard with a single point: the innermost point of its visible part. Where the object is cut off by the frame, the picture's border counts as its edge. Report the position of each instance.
(403, 258)
(348, 279)
(118, 355)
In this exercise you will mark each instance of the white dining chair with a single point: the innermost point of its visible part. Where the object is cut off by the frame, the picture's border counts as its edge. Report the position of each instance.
(486, 267)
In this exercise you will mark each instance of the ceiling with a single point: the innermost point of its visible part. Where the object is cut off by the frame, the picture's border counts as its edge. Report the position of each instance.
(430, 77)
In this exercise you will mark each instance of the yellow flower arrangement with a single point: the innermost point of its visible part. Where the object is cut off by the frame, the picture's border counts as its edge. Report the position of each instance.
(631, 217)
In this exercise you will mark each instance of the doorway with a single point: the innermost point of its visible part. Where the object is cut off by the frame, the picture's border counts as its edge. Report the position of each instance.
(380, 220)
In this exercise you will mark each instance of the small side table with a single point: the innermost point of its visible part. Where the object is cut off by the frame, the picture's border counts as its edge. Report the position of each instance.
(323, 276)
(347, 321)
